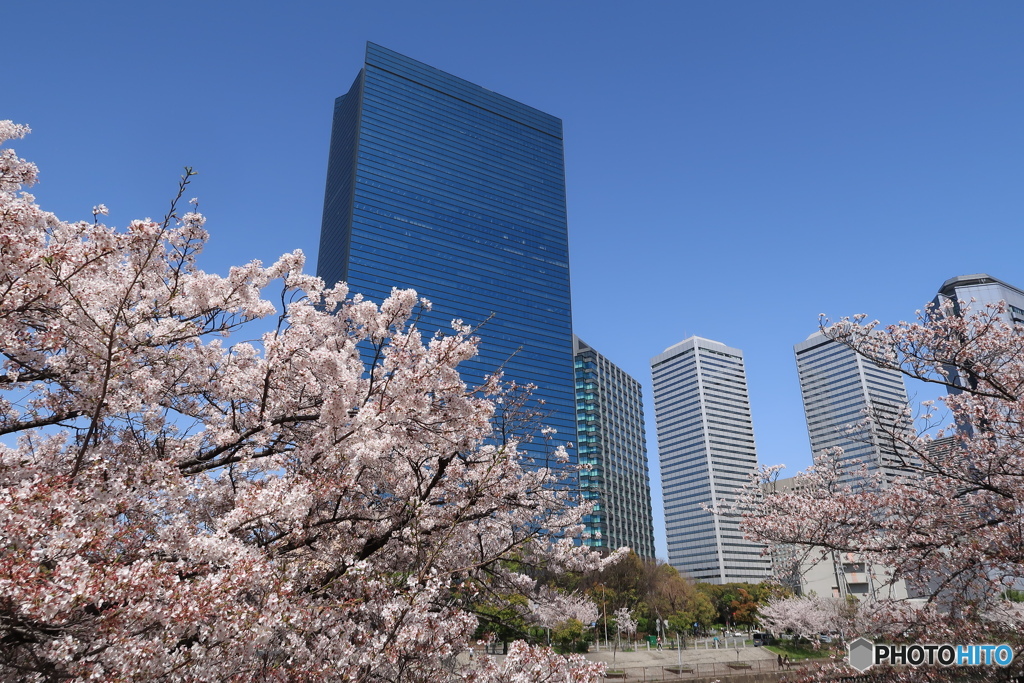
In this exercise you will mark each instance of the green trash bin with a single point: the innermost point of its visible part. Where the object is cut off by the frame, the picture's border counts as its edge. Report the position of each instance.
(652, 641)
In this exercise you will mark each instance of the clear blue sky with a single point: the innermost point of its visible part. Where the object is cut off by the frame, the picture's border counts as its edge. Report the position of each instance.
(734, 168)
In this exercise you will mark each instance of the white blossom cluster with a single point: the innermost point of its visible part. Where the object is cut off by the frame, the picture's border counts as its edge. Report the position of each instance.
(176, 505)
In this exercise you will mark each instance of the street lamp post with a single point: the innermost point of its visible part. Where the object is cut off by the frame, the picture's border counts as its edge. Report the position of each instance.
(604, 608)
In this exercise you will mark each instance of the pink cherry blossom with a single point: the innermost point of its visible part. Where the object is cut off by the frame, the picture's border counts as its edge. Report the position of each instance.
(196, 485)
(951, 526)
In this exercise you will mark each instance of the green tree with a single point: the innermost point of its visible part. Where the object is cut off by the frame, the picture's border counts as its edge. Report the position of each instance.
(503, 618)
(737, 603)
(743, 608)
(698, 610)
(568, 635)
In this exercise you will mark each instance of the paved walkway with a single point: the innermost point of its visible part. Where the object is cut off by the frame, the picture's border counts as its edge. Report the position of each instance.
(654, 665)
(691, 656)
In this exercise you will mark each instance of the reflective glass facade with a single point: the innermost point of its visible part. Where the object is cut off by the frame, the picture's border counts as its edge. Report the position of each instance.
(445, 187)
(707, 454)
(610, 428)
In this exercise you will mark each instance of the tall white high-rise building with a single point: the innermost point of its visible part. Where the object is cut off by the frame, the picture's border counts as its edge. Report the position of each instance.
(707, 454)
(840, 389)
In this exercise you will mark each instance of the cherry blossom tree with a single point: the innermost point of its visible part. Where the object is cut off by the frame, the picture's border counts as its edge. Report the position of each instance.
(625, 624)
(551, 607)
(322, 501)
(952, 525)
(525, 664)
(808, 615)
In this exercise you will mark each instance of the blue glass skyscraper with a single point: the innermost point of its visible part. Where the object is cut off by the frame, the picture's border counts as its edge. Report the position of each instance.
(445, 187)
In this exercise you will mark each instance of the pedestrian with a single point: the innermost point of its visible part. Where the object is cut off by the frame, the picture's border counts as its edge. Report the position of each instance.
(780, 661)
(785, 661)
(659, 642)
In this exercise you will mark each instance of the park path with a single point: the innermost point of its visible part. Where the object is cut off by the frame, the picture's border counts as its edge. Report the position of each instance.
(691, 656)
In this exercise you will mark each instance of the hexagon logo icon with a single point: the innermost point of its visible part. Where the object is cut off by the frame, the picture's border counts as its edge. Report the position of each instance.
(862, 654)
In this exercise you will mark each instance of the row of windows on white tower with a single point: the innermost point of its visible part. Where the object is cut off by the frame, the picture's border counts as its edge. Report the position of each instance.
(706, 440)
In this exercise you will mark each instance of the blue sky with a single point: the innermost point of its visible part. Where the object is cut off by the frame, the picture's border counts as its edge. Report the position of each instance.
(733, 168)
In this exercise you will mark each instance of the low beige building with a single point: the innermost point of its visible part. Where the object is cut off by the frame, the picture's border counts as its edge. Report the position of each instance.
(829, 573)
